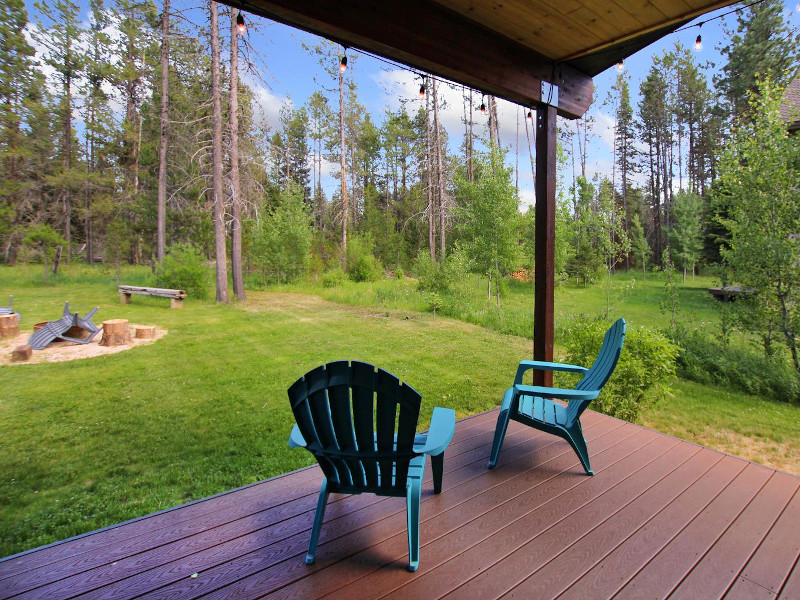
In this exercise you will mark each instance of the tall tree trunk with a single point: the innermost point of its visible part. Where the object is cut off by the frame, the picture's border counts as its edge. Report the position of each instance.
(471, 169)
(66, 163)
(219, 209)
(429, 172)
(494, 130)
(342, 170)
(236, 188)
(162, 143)
(439, 169)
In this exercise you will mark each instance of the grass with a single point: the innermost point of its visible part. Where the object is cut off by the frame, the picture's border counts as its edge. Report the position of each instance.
(636, 299)
(97, 441)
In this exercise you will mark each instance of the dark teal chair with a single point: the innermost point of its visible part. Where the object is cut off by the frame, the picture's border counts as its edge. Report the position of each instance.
(532, 405)
(360, 424)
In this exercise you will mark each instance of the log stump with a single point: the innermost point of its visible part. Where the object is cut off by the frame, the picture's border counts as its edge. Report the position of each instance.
(116, 333)
(9, 325)
(22, 352)
(145, 332)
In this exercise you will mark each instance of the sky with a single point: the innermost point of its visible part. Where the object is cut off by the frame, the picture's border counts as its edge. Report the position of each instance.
(288, 73)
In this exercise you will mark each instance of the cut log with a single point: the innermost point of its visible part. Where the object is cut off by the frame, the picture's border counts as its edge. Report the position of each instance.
(145, 332)
(22, 352)
(116, 333)
(9, 325)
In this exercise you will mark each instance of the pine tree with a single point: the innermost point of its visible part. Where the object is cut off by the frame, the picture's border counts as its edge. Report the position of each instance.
(60, 35)
(764, 46)
(19, 87)
(220, 250)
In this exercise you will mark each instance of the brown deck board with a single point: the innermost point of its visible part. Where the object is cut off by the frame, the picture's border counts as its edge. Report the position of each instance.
(661, 517)
(666, 571)
(609, 575)
(574, 560)
(772, 563)
(722, 564)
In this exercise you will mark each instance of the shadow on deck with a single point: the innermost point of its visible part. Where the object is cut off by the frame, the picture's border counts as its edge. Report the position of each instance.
(661, 518)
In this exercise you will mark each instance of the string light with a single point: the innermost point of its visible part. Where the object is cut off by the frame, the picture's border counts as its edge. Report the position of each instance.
(422, 91)
(529, 116)
(483, 104)
(620, 66)
(698, 43)
(240, 26)
(343, 62)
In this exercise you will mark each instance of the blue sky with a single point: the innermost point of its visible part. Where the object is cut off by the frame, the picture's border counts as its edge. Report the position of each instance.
(290, 74)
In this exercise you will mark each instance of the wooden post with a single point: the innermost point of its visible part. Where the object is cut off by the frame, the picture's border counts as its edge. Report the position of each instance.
(145, 332)
(124, 298)
(9, 325)
(22, 353)
(545, 213)
(116, 333)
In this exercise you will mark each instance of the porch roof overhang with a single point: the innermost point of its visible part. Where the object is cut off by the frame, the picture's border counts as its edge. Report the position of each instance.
(506, 48)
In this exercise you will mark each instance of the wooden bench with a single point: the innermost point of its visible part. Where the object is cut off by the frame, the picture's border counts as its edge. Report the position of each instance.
(176, 296)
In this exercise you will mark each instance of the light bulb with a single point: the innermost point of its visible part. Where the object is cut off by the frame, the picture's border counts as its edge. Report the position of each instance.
(620, 66)
(529, 116)
(483, 107)
(343, 64)
(422, 91)
(698, 43)
(240, 26)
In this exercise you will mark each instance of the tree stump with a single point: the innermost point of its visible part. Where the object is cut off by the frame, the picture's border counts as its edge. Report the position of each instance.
(9, 325)
(145, 332)
(116, 333)
(23, 352)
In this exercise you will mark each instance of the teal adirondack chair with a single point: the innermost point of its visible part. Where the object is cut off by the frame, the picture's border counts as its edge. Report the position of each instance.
(532, 405)
(334, 406)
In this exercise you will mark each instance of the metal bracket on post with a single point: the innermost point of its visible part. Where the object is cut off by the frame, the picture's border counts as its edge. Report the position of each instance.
(549, 94)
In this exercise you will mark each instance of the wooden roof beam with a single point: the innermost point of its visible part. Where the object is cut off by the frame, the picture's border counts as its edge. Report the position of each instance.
(432, 38)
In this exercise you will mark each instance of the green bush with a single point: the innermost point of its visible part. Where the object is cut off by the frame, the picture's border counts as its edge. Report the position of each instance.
(334, 278)
(707, 361)
(646, 364)
(183, 269)
(399, 274)
(441, 278)
(281, 245)
(361, 262)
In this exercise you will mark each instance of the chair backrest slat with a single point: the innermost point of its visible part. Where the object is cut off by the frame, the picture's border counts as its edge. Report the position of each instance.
(359, 423)
(602, 368)
(339, 381)
(363, 387)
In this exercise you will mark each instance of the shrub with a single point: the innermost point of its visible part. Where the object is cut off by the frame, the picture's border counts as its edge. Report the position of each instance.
(334, 278)
(399, 274)
(710, 362)
(646, 363)
(281, 248)
(435, 277)
(361, 262)
(183, 269)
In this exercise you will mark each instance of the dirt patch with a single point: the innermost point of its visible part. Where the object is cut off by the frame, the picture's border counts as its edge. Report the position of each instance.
(60, 351)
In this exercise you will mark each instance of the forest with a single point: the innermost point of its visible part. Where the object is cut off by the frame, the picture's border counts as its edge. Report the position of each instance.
(133, 137)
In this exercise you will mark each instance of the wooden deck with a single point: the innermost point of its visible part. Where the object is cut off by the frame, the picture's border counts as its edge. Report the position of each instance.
(661, 518)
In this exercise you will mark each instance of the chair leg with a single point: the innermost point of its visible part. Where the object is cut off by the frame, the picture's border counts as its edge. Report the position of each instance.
(500, 428)
(320, 514)
(413, 496)
(437, 462)
(575, 438)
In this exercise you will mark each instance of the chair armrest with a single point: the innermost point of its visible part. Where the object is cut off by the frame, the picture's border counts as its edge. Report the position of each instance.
(548, 392)
(443, 426)
(296, 439)
(527, 365)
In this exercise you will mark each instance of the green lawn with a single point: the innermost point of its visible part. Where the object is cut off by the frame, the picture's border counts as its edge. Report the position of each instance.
(93, 442)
